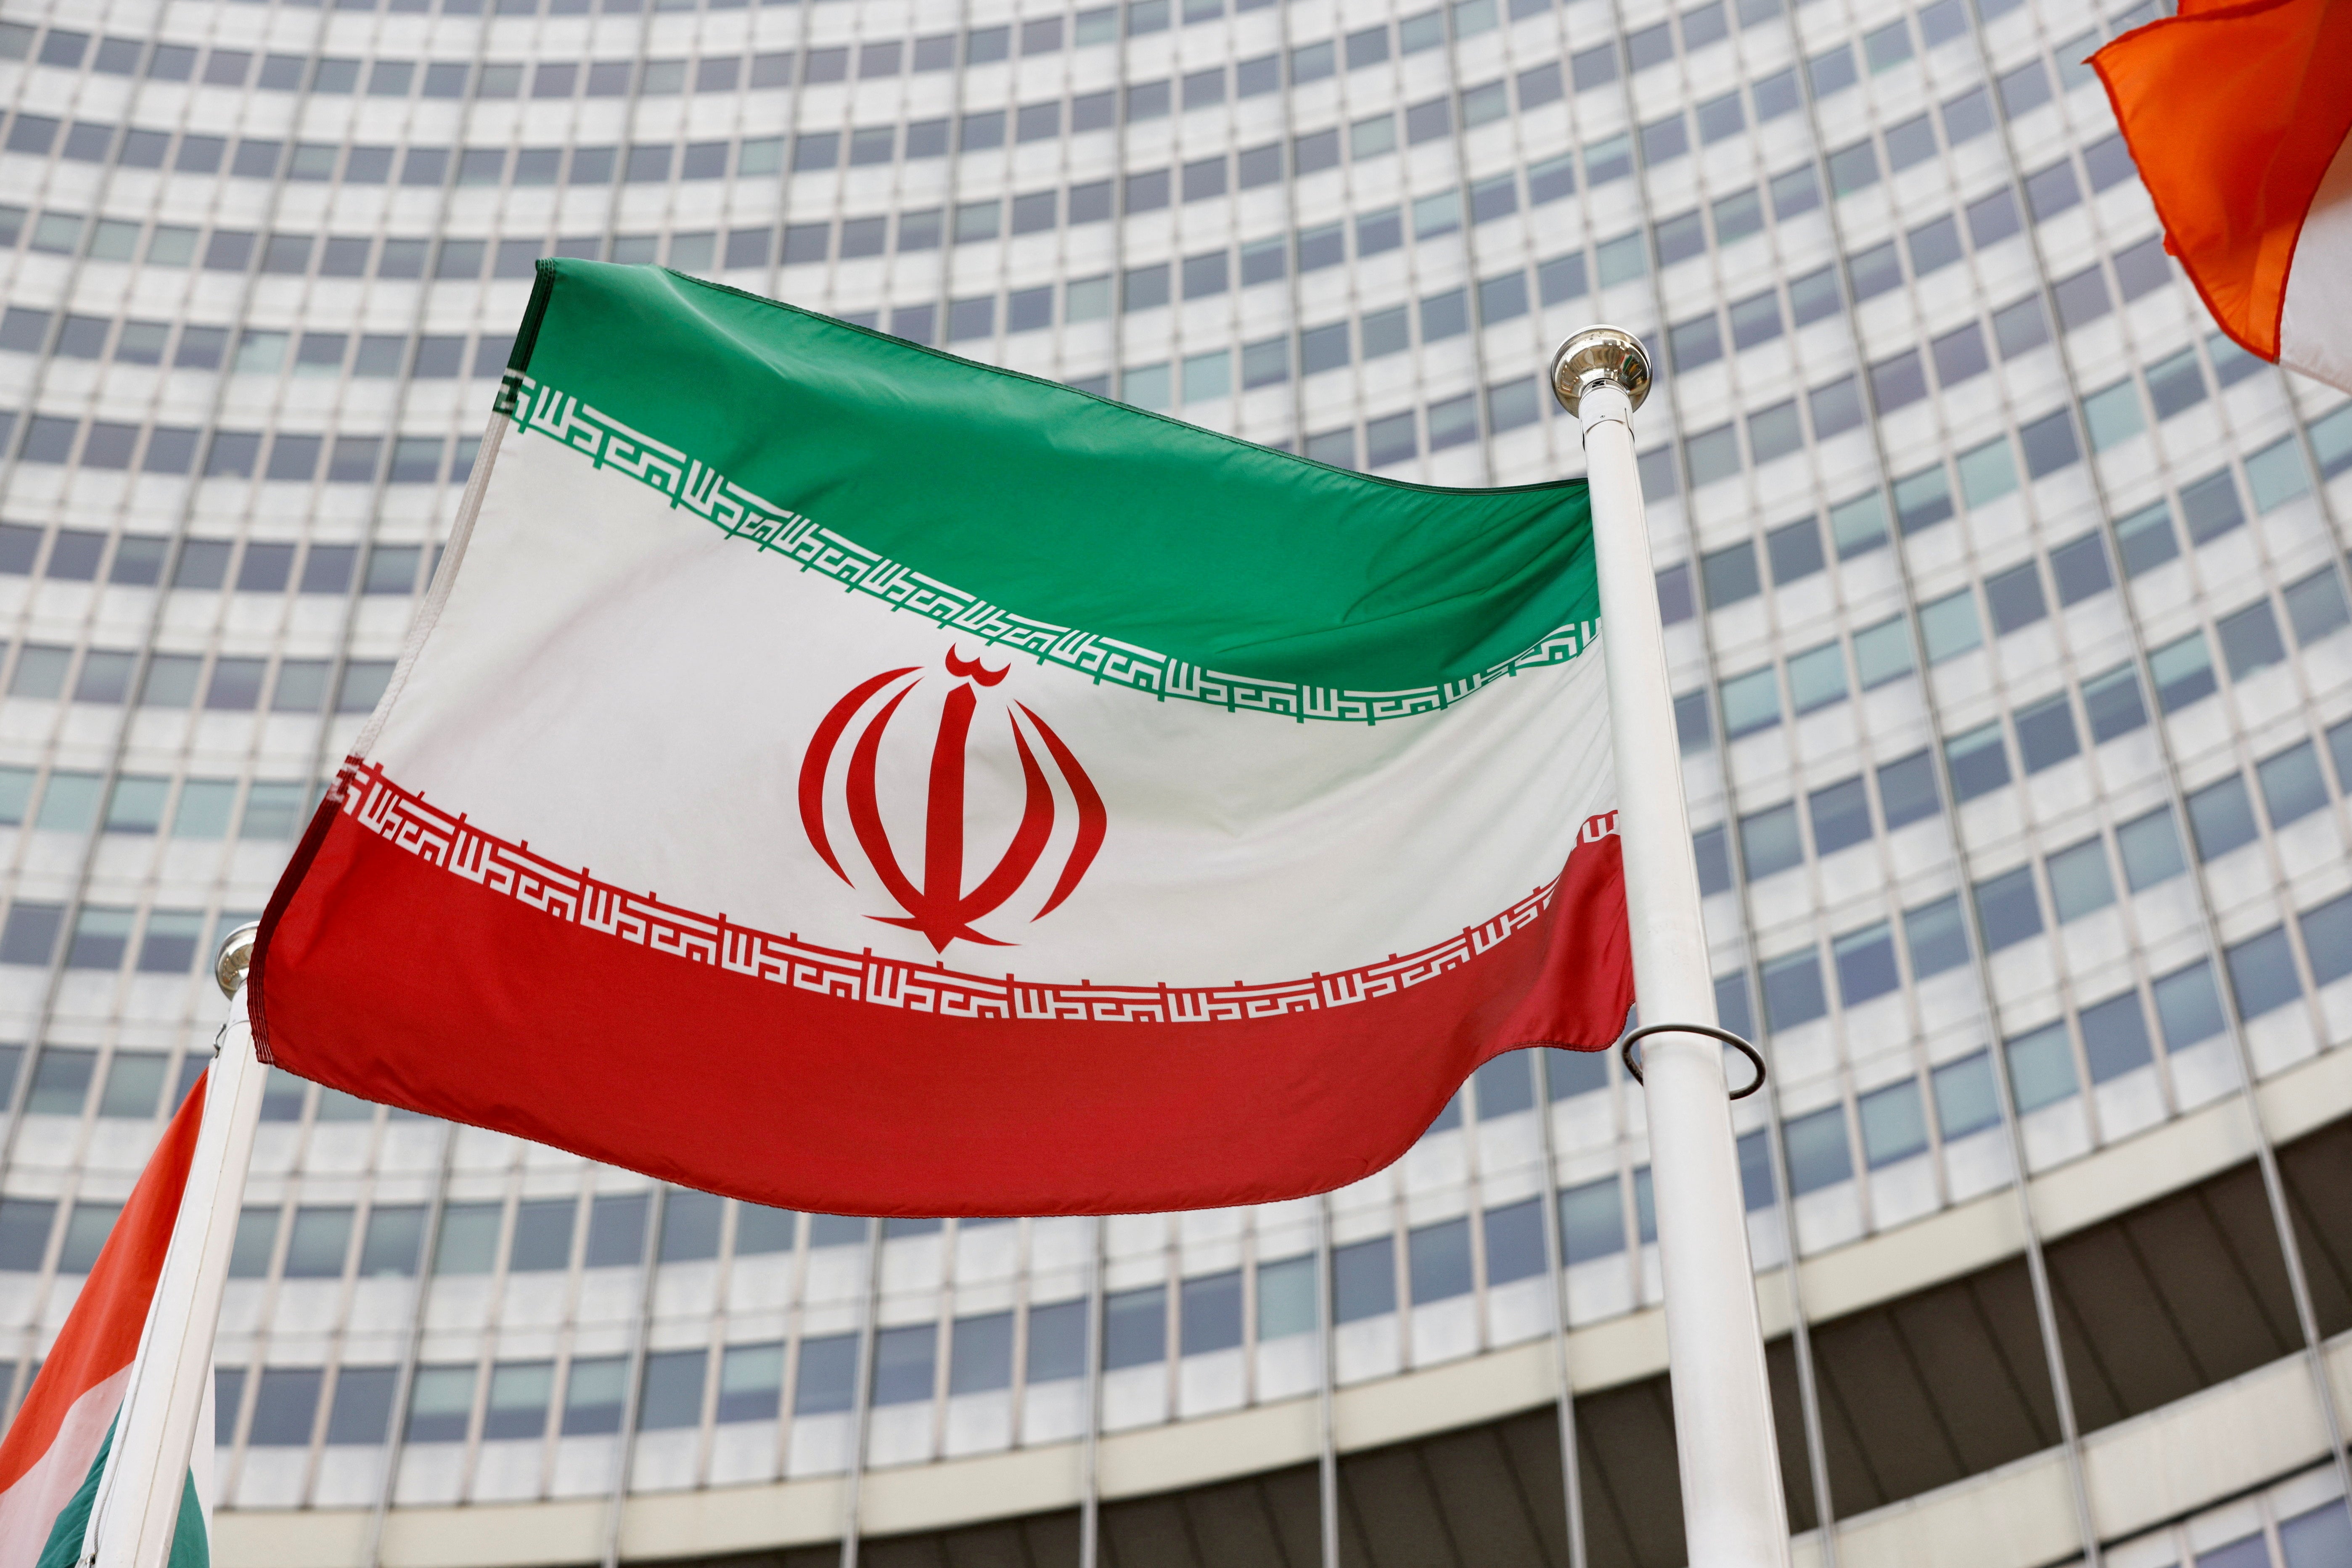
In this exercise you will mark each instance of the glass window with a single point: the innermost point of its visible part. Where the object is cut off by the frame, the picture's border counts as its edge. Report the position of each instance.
(906, 1364)
(1977, 761)
(1135, 1326)
(2318, 1538)
(134, 1083)
(1733, 1010)
(1894, 1123)
(1751, 702)
(1513, 1242)
(2079, 881)
(440, 1403)
(2046, 733)
(1730, 575)
(86, 1231)
(1693, 727)
(2040, 1068)
(1948, 628)
(1897, 383)
(1438, 1260)
(1211, 1313)
(520, 1392)
(1757, 318)
(1936, 936)
(2277, 474)
(360, 1413)
(1817, 1151)
(2146, 540)
(2014, 597)
(2175, 384)
(1363, 1279)
(2250, 639)
(751, 1377)
(102, 938)
(1841, 816)
(1965, 1097)
(1883, 652)
(2294, 786)
(616, 1230)
(1866, 963)
(542, 1235)
(1756, 1189)
(2009, 909)
(2188, 1005)
(1571, 1073)
(2080, 566)
(2112, 416)
(2114, 1038)
(1285, 1299)
(594, 1394)
(2222, 818)
(25, 1226)
(30, 937)
(1592, 1220)
(689, 1230)
(1907, 790)
(2262, 976)
(1987, 472)
(2327, 939)
(1504, 1086)
(1769, 842)
(1817, 677)
(2112, 703)
(2210, 507)
(827, 1383)
(285, 1407)
(1792, 990)
(2315, 606)
(469, 1238)
(394, 1241)
(320, 1241)
(980, 1353)
(2150, 846)
(759, 1230)
(2183, 672)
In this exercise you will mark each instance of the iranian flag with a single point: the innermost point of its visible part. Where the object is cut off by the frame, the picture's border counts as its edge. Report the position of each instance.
(55, 1449)
(833, 773)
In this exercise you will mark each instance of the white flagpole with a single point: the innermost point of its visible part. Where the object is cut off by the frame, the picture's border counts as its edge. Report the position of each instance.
(138, 1501)
(1733, 1512)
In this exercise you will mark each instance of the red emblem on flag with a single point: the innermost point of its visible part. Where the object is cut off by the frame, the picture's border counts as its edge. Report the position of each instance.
(940, 906)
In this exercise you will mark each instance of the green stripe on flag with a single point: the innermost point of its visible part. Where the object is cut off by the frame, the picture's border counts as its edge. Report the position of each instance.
(190, 1547)
(1064, 507)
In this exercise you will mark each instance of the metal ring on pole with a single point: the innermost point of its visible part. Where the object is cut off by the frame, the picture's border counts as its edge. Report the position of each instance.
(1633, 1063)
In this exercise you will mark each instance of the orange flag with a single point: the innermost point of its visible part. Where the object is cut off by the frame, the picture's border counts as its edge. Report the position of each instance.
(2238, 116)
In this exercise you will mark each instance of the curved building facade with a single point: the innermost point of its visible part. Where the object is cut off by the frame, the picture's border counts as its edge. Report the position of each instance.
(2007, 601)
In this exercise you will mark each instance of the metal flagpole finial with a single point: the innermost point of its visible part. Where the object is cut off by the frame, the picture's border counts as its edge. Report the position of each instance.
(1601, 357)
(235, 956)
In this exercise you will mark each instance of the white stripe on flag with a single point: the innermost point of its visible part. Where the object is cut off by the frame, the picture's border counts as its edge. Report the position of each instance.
(2315, 321)
(28, 1511)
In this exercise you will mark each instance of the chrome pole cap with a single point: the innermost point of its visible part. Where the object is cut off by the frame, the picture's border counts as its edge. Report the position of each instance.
(235, 956)
(1601, 357)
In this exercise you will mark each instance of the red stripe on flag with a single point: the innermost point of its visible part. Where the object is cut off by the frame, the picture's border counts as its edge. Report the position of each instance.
(386, 975)
(100, 1336)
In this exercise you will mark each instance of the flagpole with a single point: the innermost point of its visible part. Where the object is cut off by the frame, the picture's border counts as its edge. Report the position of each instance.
(138, 1502)
(1734, 1515)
